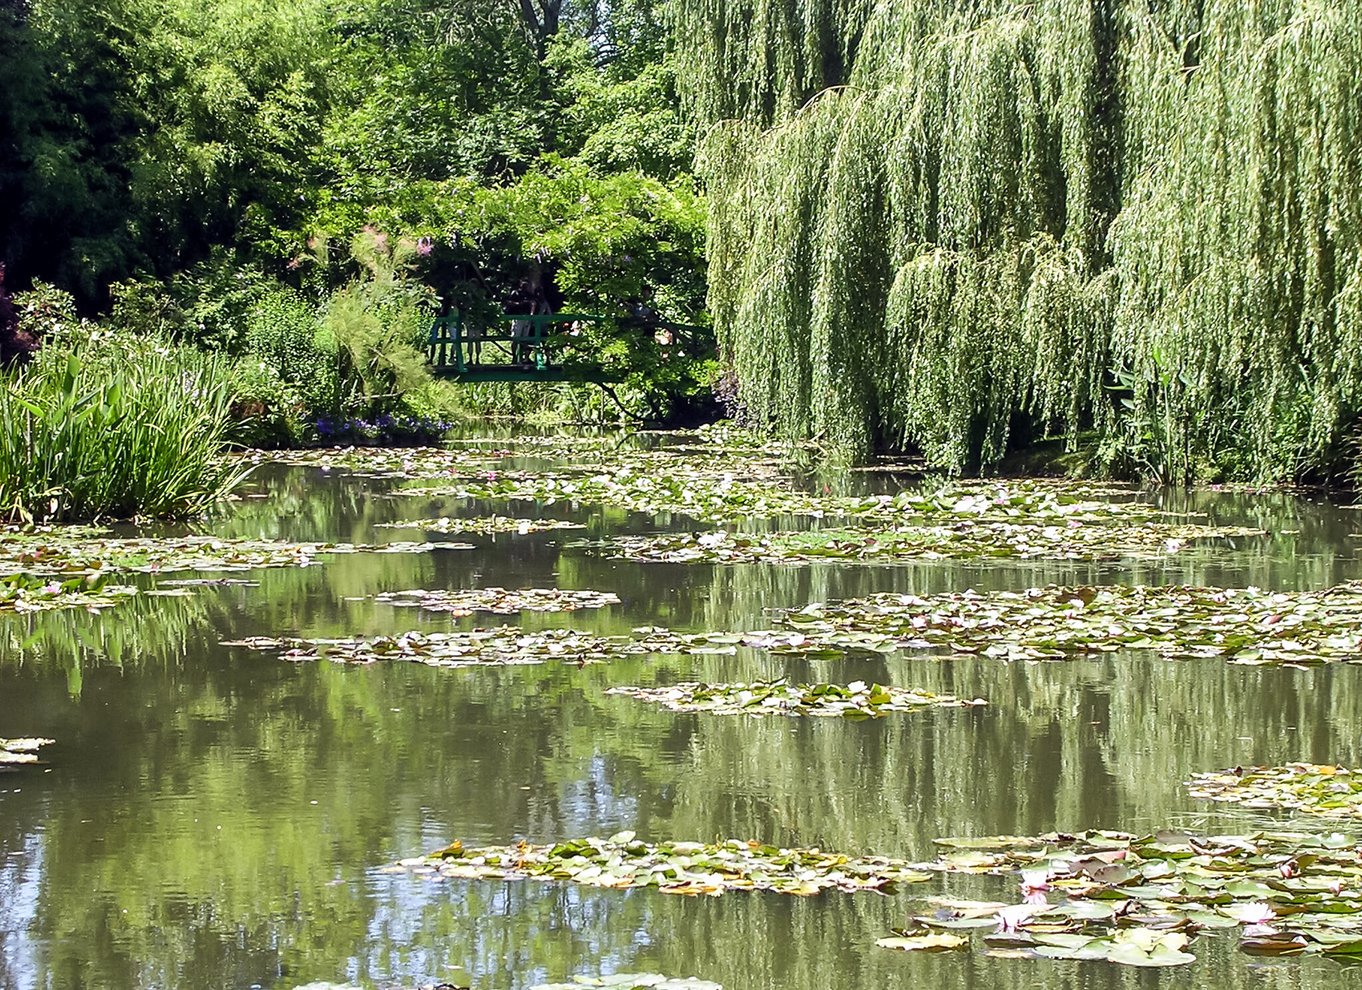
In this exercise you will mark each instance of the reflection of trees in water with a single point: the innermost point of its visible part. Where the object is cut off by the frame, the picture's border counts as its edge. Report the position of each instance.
(160, 630)
(190, 806)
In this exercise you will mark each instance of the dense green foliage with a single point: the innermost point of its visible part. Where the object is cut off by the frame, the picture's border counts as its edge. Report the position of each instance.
(303, 185)
(960, 225)
(114, 427)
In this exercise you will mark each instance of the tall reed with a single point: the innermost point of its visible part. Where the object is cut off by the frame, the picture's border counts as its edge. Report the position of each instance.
(114, 428)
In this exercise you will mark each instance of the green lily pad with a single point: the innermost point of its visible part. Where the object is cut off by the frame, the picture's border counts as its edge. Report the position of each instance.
(65, 553)
(1326, 790)
(632, 981)
(484, 525)
(498, 601)
(932, 942)
(779, 697)
(693, 868)
(16, 752)
(877, 544)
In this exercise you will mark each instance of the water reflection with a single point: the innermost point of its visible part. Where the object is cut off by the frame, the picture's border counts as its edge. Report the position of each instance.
(218, 818)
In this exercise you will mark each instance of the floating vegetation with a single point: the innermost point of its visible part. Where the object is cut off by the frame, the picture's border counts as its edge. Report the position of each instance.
(1288, 893)
(854, 700)
(632, 981)
(502, 646)
(484, 525)
(1246, 626)
(623, 862)
(16, 752)
(721, 494)
(30, 593)
(377, 462)
(499, 601)
(975, 540)
(51, 553)
(1335, 792)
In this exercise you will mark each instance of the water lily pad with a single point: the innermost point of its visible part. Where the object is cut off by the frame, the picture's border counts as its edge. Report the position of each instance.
(1327, 790)
(70, 554)
(499, 601)
(779, 697)
(32, 593)
(623, 861)
(1052, 623)
(971, 540)
(501, 646)
(484, 525)
(632, 981)
(1288, 892)
(14, 752)
(932, 942)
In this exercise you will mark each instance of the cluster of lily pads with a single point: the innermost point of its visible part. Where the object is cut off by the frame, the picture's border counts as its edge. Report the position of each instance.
(484, 525)
(623, 861)
(498, 601)
(724, 494)
(855, 700)
(1318, 789)
(632, 981)
(377, 462)
(16, 752)
(33, 593)
(1138, 899)
(964, 540)
(75, 553)
(1245, 626)
(510, 645)
(500, 646)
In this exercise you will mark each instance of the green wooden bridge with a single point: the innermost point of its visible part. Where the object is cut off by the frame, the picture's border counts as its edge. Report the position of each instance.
(530, 347)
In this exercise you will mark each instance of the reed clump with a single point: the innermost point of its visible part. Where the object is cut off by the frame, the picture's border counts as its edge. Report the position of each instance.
(114, 427)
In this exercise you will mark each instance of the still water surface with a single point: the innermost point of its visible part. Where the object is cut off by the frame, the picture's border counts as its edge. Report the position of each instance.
(212, 817)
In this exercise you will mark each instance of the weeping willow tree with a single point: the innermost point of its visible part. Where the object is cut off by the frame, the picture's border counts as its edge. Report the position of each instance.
(1129, 222)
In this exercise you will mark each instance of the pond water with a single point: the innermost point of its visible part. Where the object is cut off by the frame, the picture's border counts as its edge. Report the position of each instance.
(213, 817)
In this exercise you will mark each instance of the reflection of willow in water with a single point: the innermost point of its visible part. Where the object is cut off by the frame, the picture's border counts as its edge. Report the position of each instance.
(750, 942)
(1048, 757)
(233, 827)
(159, 629)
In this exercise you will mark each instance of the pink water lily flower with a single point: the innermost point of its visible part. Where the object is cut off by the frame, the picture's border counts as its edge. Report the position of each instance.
(1256, 914)
(1034, 884)
(1015, 914)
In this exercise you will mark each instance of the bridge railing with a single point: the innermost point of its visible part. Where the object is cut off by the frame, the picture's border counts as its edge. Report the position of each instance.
(530, 341)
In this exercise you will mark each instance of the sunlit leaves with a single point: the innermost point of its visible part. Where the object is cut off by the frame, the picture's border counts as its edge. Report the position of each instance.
(623, 861)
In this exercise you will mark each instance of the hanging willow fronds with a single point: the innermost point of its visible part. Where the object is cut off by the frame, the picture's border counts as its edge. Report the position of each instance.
(1131, 218)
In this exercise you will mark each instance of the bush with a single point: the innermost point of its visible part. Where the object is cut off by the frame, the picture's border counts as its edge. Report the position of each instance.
(109, 426)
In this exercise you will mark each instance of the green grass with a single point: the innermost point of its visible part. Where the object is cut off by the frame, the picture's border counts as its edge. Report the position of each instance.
(115, 428)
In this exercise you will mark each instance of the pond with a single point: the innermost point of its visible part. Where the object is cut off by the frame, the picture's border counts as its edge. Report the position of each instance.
(209, 816)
